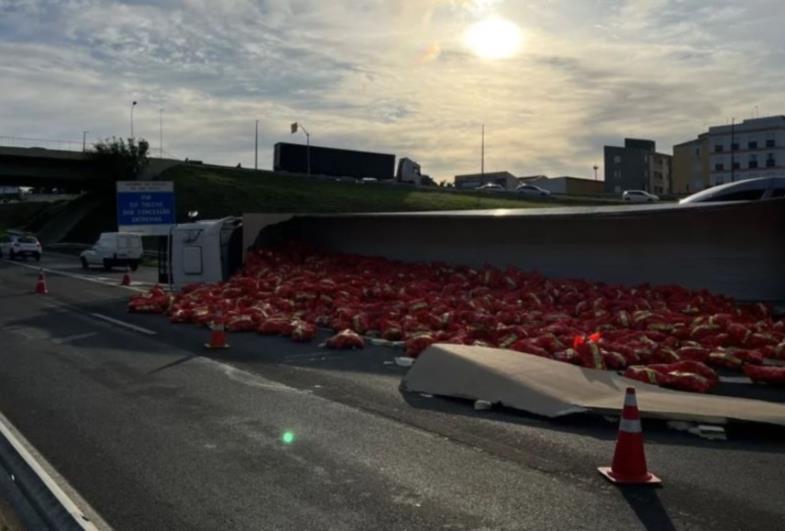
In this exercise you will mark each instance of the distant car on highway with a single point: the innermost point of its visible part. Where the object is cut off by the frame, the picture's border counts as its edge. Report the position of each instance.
(490, 187)
(530, 189)
(746, 190)
(114, 249)
(638, 196)
(20, 246)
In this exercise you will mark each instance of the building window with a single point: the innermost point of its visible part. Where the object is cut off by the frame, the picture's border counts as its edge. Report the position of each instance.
(736, 165)
(752, 144)
(770, 143)
(753, 162)
(719, 148)
(617, 174)
(719, 166)
(770, 161)
(734, 146)
(617, 159)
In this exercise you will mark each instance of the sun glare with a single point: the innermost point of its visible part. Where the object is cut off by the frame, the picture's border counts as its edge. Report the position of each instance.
(494, 38)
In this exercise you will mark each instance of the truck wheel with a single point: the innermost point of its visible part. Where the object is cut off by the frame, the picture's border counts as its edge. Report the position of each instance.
(107, 264)
(134, 265)
(85, 265)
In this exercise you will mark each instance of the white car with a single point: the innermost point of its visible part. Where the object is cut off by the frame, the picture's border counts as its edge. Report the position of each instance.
(746, 190)
(490, 187)
(639, 196)
(20, 246)
(530, 189)
(113, 249)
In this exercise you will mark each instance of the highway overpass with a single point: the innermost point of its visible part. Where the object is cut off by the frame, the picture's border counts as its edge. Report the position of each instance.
(58, 168)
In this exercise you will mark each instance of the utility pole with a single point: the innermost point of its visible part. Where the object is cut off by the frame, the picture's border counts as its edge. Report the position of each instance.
(256, 148)
(482, 153)
(732, 159)
(595, 172)
(84, 141)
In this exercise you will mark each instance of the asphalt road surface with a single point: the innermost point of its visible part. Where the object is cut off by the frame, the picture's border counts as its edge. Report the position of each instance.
(156, 433)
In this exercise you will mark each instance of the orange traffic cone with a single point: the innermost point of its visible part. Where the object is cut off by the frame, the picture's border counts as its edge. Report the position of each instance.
(126, 281)
(629, 459)
(218, 334)
(40, 284)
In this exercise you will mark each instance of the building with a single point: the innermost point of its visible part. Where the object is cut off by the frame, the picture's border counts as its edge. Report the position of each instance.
(570, 185)
(296, 158)
(475, 180)
(691, 170)
(753, 148)
(637, 166)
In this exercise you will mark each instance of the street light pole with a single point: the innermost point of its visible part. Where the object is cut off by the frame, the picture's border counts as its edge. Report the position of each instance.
(595, 172)
(297, 126)
(133, 104)
(84, 141)
(256, 148)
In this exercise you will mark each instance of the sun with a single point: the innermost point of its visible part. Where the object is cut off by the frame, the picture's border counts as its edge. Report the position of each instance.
(494, 38)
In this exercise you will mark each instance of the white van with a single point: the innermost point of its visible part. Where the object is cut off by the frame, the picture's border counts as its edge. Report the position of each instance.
(114, 249)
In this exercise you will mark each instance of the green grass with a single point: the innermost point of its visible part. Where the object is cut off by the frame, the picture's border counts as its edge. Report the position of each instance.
(217, 192)
(20, 215)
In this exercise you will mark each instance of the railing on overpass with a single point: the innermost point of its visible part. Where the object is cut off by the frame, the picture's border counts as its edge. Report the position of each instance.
(22, 142)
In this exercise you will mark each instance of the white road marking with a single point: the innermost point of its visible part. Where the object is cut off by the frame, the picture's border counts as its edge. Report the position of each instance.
(245, 377)
(124, 324)
(75, 337)
(68, 504)
(735, 379)
(104, 281)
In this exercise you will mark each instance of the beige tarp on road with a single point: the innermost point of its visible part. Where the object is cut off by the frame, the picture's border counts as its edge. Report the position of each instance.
(551, 388)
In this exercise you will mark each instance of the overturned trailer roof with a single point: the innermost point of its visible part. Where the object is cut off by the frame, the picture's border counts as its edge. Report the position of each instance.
(553, 389)
(734, 248)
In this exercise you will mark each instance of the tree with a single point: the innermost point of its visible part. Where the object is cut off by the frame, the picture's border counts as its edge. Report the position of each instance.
(118, 160)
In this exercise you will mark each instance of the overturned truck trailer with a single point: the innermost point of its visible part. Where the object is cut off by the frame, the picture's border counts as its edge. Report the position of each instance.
(736, 249)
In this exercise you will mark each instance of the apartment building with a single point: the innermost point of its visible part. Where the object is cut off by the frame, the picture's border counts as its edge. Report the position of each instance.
(637, 166)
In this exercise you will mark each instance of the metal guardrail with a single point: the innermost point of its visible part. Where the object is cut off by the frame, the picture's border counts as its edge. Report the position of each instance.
(50, 505)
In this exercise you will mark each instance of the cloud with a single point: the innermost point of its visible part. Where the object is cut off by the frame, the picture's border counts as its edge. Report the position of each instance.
(389, 76)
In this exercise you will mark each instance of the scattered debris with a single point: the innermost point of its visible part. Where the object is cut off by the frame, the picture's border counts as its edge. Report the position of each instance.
(482, 405)
(706, 431)
(404, 361)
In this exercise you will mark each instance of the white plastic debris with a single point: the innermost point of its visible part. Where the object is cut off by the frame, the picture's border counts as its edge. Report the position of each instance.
(712, 433)
(404, 361)
(482, 405)
(426, 395)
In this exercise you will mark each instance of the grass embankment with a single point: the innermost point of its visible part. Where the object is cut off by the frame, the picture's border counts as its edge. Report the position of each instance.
(216, 192)
(24, 216)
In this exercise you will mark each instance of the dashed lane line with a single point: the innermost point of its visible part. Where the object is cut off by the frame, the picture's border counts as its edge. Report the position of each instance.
(129, 326)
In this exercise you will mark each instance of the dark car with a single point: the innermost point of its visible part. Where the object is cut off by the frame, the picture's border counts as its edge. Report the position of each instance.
(746, 190)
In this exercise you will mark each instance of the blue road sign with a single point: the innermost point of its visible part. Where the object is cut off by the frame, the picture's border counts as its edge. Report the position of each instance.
(145, 207)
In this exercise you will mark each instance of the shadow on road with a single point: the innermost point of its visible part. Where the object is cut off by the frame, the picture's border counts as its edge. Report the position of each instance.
(645, 502)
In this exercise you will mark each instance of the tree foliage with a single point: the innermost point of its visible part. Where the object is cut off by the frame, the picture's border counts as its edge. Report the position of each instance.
(121, 160)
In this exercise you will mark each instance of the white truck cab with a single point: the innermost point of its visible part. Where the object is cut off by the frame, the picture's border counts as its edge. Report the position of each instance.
(114, 249)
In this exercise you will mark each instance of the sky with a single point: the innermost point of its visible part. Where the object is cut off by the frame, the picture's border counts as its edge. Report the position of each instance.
(391, 76)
